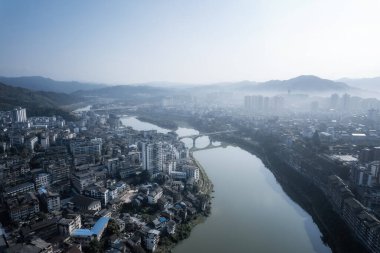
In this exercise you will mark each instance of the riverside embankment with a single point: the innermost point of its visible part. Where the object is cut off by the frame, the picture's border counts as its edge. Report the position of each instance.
(251, 212)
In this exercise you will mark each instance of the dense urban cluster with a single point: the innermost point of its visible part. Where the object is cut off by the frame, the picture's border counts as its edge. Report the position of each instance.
(94, 185)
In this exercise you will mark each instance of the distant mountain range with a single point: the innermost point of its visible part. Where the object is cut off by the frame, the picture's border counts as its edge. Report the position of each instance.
(371, 84)
(133, 94)
(39, 83)
(306, 84)
(303, 84)
(38, 103)
(44, 96)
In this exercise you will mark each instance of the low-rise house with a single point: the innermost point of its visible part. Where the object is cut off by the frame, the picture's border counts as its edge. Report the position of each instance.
(45, 229)
(151, 239)
(155, 195)
(86, 204)
(170, 227)
(97, 192)
(36, 245)
(67, 225)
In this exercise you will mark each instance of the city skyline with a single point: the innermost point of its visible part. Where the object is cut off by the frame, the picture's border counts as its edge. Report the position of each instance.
(189, 42)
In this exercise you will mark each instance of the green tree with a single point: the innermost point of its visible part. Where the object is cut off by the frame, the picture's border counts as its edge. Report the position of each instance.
(94, 246)
(113, 228)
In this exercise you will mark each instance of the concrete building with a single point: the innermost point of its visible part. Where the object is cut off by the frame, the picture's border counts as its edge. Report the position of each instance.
(155, 195)
(45, 143)
(151, 239)
(23, 206)
(92, 147)
(81, 180)
(59, 171)
(31, 142)
(51, 201)
(42, 180)
(97, 192)
(66, 226)
(86, 204)
(19, 115)
(152, 156)
(21, 188)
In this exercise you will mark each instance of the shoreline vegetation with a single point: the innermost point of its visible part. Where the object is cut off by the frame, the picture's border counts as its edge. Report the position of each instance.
(335, 232)
(171, 125)
(206, 189)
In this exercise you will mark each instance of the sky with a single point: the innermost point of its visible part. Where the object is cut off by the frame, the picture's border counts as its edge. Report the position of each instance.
(197, 41)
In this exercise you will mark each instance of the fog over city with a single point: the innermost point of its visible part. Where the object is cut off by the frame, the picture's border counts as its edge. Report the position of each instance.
(190, 126)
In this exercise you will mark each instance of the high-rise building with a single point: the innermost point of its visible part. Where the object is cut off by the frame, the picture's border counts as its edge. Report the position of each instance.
(152, 156)
(346, 102)
(19, 114)
(334, 99)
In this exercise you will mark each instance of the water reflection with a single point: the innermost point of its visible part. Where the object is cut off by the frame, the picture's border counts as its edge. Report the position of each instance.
(250, 211)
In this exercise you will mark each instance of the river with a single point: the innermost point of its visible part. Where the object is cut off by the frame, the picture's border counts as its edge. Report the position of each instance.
(250, 211)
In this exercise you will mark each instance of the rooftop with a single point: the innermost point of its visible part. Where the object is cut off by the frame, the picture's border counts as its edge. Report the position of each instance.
(96, 229)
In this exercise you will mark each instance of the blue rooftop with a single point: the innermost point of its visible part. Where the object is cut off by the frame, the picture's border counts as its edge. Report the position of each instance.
(100, 225)
(82, 232)
(162, 219)
(96, 229)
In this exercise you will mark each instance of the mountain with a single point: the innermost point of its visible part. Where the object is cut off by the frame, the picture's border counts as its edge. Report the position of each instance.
(37, 103)
(371, 84)
(39, 83)
(132, 93)
(304, 83)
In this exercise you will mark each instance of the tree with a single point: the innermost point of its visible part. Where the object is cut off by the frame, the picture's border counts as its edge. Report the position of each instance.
(113, 228)
(94, 246)
(145, 176)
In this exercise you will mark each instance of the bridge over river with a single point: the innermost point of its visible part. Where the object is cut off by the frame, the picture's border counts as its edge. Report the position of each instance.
(211, 145)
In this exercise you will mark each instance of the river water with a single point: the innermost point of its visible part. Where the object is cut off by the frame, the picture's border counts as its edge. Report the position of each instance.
(250, 211)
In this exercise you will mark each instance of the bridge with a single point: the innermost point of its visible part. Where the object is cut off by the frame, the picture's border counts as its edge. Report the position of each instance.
(194, 137)
(209, 146)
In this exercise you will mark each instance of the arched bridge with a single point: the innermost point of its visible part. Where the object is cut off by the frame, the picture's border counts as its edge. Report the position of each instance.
(194, 137)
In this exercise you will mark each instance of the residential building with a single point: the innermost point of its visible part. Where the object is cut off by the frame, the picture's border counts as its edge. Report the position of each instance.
(155, 195)
(151, 239)
(86, 204)
(93, 147)
(42, 180)
(23, 206)
(66, 226)
(21, 188)
(19, 115)
(97, 192)
(51, 201)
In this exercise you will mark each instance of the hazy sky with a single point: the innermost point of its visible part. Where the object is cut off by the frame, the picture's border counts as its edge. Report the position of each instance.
(189, 41)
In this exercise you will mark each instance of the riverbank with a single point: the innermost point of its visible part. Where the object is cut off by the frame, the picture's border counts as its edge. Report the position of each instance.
(171, 125)
(301, 190)
(207, 186)
(205, 191)
(335, 232)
